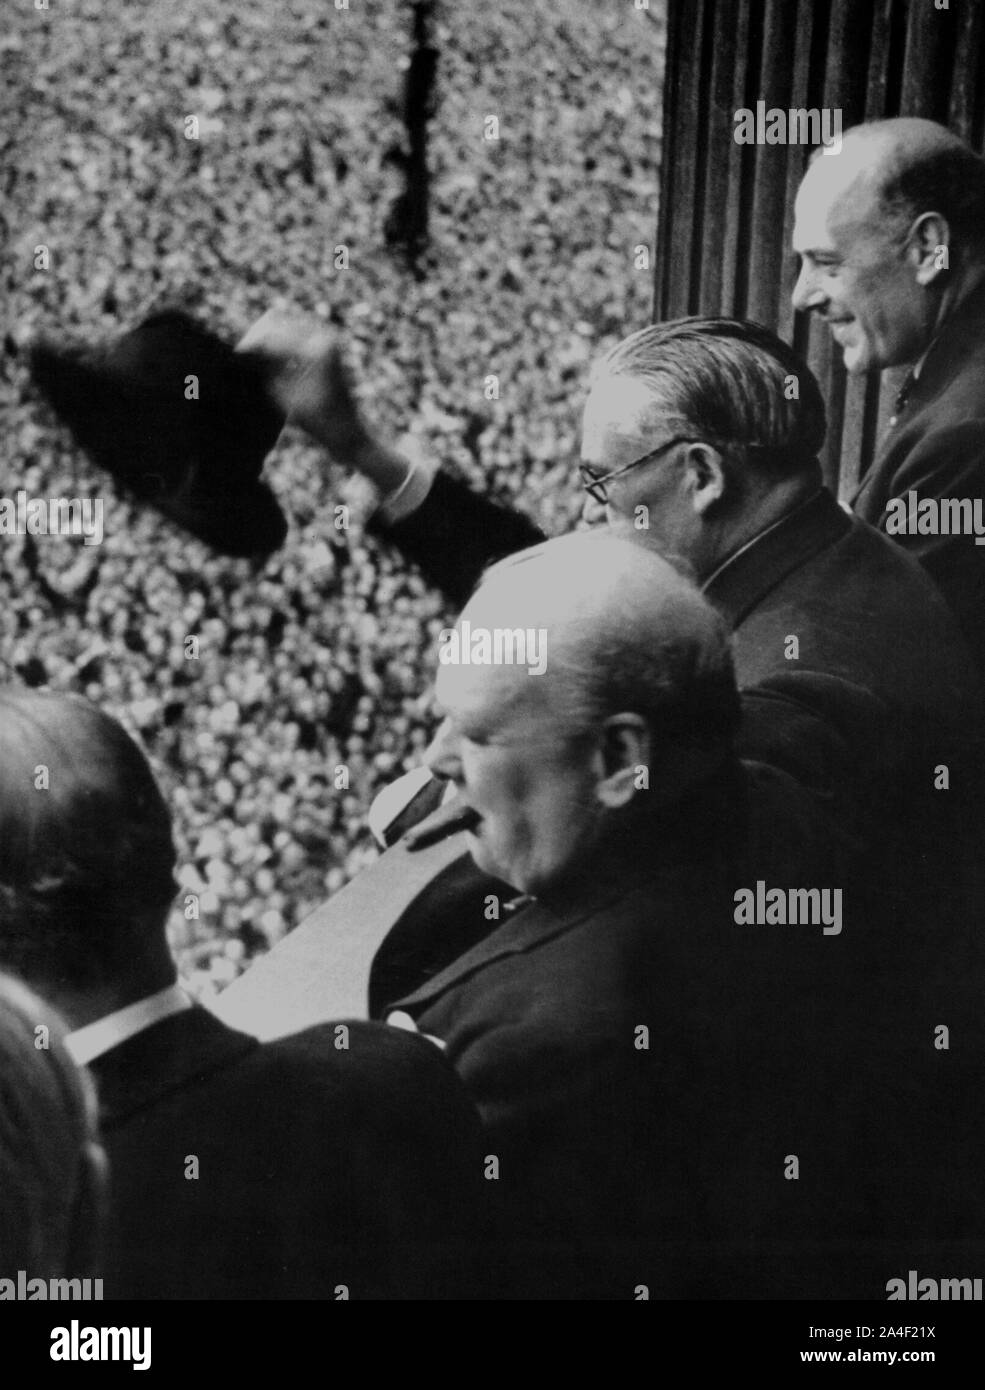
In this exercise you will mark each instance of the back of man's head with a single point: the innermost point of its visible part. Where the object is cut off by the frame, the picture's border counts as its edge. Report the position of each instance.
(51, 1166)
(733, 384)
(86, 854)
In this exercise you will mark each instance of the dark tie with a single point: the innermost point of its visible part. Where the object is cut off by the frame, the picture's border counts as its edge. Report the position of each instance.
(902, 397)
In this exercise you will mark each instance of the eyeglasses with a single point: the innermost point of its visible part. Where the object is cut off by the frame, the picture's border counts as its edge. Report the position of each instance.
(596, 486)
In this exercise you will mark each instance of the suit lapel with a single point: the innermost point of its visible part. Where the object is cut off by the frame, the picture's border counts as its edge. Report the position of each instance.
(169, 1056)
(742, 583)
(530, 926)
(958, 340)
(948, 355)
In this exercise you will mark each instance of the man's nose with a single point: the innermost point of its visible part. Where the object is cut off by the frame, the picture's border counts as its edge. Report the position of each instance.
(807, 293)
(441, 757)
(593, 513)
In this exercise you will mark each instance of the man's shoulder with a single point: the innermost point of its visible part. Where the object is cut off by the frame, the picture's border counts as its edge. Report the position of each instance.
(873, 553)
(873, 576)
(194, 1060)
(566, 1024)
(373, 1074)
(354, 1052)
(941, 430)
(821, 570)
(888, 588)
(603, 958)
(947, 428)
(958, 376)
(172, 1064)
(866, 616)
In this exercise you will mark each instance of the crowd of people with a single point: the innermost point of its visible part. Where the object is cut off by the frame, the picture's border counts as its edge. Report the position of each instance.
(320, 659)
(691, 1007)
(588, 1071)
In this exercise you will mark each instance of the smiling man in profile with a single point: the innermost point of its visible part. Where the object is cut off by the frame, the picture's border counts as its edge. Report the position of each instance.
(891, 239)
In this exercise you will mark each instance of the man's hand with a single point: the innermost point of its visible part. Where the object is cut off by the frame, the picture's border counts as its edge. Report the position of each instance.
(403, 1021)
(308, 378)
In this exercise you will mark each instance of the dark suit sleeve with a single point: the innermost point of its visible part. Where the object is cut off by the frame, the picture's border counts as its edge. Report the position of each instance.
(818, 753)
(413, 1170)
(810, 796)
(948, 462)
(456, 533)
(560, 1110)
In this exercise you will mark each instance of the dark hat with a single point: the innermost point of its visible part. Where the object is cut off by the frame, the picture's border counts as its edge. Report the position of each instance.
(192, 449)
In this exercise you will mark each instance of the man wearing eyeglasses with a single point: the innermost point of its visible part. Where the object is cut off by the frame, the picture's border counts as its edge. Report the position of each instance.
(700, 438)
(858, 697)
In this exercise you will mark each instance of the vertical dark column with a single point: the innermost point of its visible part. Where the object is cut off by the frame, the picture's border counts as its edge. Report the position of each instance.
(406, 227)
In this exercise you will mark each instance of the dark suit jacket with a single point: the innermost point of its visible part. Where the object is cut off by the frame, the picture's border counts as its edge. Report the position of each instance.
(316, 1167)
(840, 742)
(841, 747)
(597, 1127)
(647, 1069)
(937, 449)
(881, 693)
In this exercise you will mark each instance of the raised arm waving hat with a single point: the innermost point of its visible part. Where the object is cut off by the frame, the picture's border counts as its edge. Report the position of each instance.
(194, 449)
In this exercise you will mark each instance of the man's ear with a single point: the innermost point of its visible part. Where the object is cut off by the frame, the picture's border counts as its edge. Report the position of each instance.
(704, 476)
(928, 237)
(623, 760)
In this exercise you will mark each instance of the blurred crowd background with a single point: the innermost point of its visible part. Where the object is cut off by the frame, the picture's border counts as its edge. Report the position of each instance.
(322, 657)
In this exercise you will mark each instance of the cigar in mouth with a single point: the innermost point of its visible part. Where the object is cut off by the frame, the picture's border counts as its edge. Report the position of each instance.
(466, 819)
(440, 825)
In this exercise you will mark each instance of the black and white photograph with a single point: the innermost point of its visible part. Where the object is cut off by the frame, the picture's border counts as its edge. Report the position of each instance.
(492, 671)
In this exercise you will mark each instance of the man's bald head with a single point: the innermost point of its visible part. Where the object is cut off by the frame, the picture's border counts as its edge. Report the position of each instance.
(637, 678)
(891, 236)
(908, 166)
(625, 631)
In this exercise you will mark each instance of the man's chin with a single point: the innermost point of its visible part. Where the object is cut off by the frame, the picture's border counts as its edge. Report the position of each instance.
(858, 361)
(860, 357)
(480, 854)
(486, 861)
(854, 350)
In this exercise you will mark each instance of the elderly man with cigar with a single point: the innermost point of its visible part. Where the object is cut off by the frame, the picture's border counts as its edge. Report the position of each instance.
(700, 439)
(646, 1060)
(603, 794)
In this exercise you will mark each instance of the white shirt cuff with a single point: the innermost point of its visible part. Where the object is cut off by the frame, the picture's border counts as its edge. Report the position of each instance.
(408, 496)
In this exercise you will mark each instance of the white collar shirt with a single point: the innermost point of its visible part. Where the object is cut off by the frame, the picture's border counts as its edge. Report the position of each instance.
(91, 1041)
